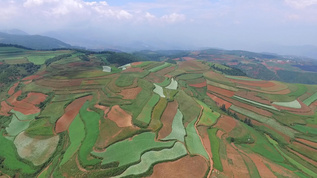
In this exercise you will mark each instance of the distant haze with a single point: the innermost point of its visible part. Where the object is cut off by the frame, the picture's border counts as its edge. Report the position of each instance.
(169, 24)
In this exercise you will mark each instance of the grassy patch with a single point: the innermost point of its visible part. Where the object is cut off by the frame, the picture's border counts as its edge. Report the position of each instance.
(311, 99)
(158, 110)
(40, 127)
(16, 125)
(125, 80)
(155, 69)
(91, 121)
(190, 76)
(305, 129)
(145, 115)
(166, 82)
(300, 90)
(187, 106)
(193, 142)
(76, 136)
(208, 117)
(215, 145)
(138, 145)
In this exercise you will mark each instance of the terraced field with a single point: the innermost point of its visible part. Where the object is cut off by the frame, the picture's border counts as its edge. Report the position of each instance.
(174, 118)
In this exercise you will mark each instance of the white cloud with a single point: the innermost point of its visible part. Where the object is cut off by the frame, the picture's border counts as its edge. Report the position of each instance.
(301, 3)
(174, 17)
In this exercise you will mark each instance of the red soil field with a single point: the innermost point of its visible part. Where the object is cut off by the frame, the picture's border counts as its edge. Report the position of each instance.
(5, 108)
(263, 84)
(27, 82)
(246, 106)
(120, 117)
(188, 58)
(167, 119)
(71, 112)
(130, 93)
(279, 169)
(199, 85)
(264, 171)
(220, 91)
(165, 71)
(104, 108)
(303, 157)
(306, 142)
(32, 77)
(219, 101)
(11, 90)
(35, 98)
(154, 78)
(22, 106)
(304, 147)
(206, 142)
(185, 167)
(226, 123)
(136, 63)
(252, 96)
(280, 92)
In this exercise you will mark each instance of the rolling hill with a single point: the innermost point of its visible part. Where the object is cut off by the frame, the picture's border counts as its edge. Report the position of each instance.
(187, 114)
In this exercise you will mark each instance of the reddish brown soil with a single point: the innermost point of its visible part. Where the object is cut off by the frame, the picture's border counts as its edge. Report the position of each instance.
(219, 101)
(11, 90)
(246, 106)
(264, 171)
(263, 84)
(238, 167)
(5, 108)
(32, 77)
(199, 85)
(304, 147)
(155, 78)
(306, 142)
(27, 82)
(206, 142)
(279, 169)
(252, 96)
(35, 98)
(226, 123)
(167, 119)
(136, 63)
(165, 71)
(130, 93)
(187, 166)
(188, 58)
(104, 108)
(303, 157)
(280, 92)
(120, 117)
(220, 91)
(24, 106)
(71, 112)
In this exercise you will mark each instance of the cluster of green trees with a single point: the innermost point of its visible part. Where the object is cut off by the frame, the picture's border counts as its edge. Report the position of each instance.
(231, 71)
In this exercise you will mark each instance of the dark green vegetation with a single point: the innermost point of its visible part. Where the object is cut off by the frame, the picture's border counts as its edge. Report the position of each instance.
(148, 117)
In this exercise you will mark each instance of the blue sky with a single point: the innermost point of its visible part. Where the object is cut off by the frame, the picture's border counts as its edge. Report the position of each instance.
(230, 24)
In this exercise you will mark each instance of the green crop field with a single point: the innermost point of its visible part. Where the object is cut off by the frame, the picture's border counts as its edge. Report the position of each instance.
(193, 142)
(145, 115)
(311, 99)
(156, 118)
(76, 136)
(208, 117)
(91, 121)
(152, 157)
(138, 145)
(155, 69)
(215, 146)
(178, 130)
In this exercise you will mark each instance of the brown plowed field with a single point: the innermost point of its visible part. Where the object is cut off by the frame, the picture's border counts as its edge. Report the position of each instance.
(303, 157)
(262, 84)
(252, 96)
(120, 117)
(280, 92)
(246, 106)
(206, 142)
(264, 171)
(219, 101)
(199, 85)
(165, 71)
(136, 63)
(152, 77)
(130, 93)
(185, 167)
(279, 169)
(167, 119)
(32, 77)
(226, 123)
(313, 144)
(238, 167)
(23, 106)
(35, 98)
(220, 91)
(71, 112)
(11, 90)
(5, 108)
(104, 108)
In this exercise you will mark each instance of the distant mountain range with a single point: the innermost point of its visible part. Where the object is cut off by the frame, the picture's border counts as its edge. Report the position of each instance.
(18, 37)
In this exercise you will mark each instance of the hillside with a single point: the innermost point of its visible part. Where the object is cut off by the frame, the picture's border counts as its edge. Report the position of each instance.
(187, 114)
(32, 41)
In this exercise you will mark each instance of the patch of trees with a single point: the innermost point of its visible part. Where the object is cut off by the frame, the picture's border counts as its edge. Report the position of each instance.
(14, 45)
(84, 58)
(48, 99)
(231, 71)
(121, 58)
(56, 58)
(234, 115)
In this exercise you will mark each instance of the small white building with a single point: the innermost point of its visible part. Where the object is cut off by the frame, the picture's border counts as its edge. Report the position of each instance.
(106, 68)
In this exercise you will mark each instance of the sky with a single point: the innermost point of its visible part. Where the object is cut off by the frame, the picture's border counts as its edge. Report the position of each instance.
(229, 24)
